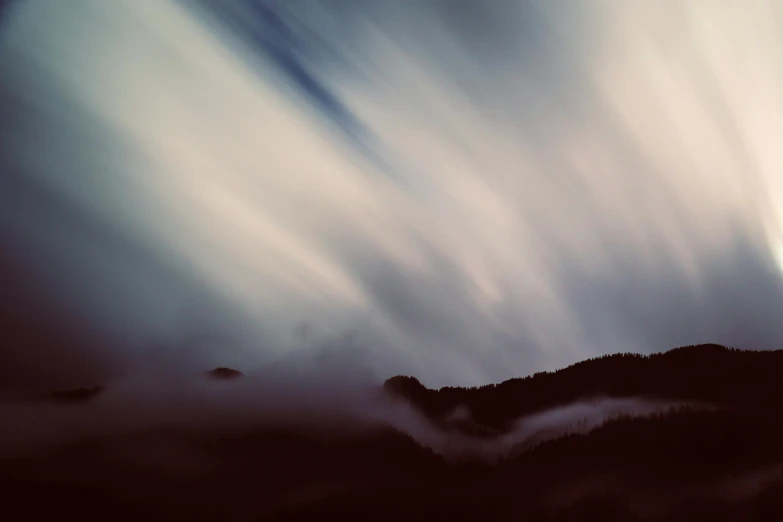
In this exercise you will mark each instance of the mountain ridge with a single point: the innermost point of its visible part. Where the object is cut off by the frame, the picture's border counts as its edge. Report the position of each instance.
(714, 455)
(698, 373)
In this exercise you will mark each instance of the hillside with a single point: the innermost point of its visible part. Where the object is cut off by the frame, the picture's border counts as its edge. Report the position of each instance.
(708, 373)
(715, 455)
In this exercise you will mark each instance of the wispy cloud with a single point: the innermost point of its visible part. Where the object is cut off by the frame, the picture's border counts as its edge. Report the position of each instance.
(483, 190)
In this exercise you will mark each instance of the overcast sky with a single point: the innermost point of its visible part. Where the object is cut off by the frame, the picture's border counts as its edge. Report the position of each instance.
(463, 191)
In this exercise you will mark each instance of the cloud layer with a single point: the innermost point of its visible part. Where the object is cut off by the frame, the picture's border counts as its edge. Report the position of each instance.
(473, 192)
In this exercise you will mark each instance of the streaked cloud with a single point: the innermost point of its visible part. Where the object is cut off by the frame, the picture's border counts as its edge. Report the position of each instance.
(483, 191)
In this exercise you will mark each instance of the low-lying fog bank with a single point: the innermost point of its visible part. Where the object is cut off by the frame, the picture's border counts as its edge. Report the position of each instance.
(329, 404)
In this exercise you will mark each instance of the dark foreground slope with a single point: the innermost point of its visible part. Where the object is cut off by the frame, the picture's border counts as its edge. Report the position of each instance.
(721, 458)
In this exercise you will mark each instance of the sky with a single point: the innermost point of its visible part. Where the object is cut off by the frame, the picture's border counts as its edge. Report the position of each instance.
(461, 191)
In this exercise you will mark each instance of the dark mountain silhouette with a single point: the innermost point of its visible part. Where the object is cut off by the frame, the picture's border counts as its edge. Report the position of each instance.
(717, 455)
(75, 396)
(703, 373)
(223, 373)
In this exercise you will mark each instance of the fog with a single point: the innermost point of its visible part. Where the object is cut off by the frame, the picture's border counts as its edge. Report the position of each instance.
(581, 416)
(175, 410)
(459, 191)
(323, 403)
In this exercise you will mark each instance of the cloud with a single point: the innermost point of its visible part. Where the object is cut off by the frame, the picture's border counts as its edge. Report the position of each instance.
(488, 190)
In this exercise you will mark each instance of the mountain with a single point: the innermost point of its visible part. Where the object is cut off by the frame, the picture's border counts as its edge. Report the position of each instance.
(223, 373)
(710, 449)
(75, 396)
(706, 373)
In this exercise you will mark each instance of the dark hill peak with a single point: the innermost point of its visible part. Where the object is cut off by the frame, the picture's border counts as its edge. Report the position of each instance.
(403, 380)
(74, 396)
(223, 373)
(702, 350)
(406, 387)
